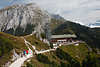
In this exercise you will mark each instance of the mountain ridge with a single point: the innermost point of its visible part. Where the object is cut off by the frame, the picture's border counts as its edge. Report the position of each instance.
(95, 25)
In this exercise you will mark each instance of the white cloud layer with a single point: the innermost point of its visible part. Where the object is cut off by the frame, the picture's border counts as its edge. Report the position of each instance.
(85, 11)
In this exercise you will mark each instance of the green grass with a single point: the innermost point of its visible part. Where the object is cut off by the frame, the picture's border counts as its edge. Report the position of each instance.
(36, 42)
(68, 55)
(7, 44)
(18, 42)
(77, 52)
(49, 62)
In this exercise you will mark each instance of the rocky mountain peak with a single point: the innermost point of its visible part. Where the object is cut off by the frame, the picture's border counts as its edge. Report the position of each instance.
(23, 19)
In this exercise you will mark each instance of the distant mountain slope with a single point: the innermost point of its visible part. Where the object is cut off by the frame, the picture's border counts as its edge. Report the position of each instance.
(96, 29)
(56, 20)
(95, 25)
(57, 17)
(23, 19)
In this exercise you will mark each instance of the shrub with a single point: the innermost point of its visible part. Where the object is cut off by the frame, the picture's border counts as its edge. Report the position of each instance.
(29, 64)
(42, 58)
(43, 35)
(54, 64)
(91, 62)
(5, 46)
(65, 65)
(63, 55)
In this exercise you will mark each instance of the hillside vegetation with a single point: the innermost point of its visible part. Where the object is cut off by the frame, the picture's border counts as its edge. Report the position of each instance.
(96, 29)
(7, 44)
(40, 45)
(67, 56)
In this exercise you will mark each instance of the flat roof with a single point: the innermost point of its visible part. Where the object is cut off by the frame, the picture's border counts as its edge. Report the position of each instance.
(64, 36)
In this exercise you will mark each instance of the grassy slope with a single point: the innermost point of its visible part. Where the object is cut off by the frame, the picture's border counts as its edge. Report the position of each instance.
(7, 44)
(36, 42)
(78, 53)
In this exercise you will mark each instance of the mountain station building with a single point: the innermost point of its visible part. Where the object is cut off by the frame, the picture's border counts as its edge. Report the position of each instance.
(58, 40)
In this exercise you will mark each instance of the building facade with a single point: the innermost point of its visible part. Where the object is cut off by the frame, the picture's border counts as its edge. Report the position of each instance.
(58, 40)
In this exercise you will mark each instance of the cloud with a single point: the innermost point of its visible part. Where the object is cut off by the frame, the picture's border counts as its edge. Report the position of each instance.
(85, 11)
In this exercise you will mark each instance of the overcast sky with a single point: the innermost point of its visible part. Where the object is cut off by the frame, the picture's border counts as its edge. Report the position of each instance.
(85, 11)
